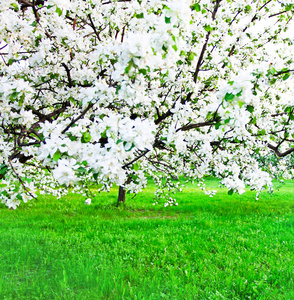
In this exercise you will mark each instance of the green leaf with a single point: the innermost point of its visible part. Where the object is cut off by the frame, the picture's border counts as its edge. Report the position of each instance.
(239, 94)
(117, 89)
(229, 96)
(21, 99)
(208, 28)
(272, 70)
(196, 6)
(3, 169)
(81, 170)
(288, 7)
(59, 11)
(250, 108)
(191, 56)
(241, 103)
(4, 193)
(175, 47)
(143, 71)
(56, 155)
(34, 24)
(103, 134)
(14, 6)
(247, 8)
(10, 61)
(54, 76)
(86, 137)
(167, 20)
(129, 67)
(136, 166)
(140, 16)
(286, 76)
(231, 192)
(217, 125)
(14, 96)
(261, 132)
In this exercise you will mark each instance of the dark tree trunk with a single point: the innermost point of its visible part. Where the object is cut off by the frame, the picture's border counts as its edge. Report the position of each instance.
(121, 195)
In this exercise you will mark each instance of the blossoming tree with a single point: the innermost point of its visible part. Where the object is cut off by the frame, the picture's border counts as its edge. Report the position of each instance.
(108, 91)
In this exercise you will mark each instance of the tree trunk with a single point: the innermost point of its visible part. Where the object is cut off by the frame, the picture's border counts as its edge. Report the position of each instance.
(121, 195)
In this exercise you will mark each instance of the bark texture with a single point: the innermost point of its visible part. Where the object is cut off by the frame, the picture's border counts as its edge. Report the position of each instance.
(121, 195)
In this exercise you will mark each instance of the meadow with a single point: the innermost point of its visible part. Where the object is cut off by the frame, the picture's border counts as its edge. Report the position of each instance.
(224, 247)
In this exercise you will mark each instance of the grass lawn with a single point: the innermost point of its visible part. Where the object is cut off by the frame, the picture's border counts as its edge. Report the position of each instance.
(225, 247)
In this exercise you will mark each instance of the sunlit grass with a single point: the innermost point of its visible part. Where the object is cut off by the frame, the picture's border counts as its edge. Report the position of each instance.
(225, 247)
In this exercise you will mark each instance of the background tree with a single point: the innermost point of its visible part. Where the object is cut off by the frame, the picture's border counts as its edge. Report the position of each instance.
(109, 91)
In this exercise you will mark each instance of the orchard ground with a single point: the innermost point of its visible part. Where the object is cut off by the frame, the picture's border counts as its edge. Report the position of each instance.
(225, 247)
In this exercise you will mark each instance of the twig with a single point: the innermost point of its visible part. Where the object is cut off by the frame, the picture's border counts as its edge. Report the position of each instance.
(20, 180)
(78, 118)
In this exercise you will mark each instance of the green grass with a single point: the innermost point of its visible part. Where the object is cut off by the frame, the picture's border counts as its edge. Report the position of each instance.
(225, 247)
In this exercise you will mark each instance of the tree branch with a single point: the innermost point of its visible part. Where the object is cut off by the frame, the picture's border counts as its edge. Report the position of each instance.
(277, 151)
(70, 83)
(135, 159)
(94, 28)
(78, 118)
(20, 180)
(192, 126)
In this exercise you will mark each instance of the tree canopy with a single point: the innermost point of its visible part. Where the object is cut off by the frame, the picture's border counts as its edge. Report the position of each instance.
(108, 92)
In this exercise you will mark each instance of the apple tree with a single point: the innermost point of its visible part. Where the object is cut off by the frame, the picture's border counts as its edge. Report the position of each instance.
(112, 91)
